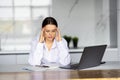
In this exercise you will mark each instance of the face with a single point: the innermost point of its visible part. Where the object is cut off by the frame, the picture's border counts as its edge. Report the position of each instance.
(50, 32)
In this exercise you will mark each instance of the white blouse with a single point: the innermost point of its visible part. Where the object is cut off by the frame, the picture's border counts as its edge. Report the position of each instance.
(40, 55)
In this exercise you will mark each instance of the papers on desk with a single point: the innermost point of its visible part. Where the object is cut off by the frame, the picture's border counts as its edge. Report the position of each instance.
(40, 68)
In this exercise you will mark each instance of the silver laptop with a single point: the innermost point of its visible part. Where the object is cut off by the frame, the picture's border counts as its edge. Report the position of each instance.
(91, 57)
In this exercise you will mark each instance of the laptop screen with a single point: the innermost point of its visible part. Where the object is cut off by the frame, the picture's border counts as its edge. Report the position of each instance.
(92, 56)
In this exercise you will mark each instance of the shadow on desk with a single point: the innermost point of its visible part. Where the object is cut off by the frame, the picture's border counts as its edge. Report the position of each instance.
(63, 75)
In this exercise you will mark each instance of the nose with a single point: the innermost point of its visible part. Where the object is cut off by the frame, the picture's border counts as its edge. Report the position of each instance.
(50, 33)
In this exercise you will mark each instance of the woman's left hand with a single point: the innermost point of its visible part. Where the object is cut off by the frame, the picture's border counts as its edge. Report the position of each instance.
(58, 35)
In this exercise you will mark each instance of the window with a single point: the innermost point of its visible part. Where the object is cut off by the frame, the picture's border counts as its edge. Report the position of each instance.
(20, 21)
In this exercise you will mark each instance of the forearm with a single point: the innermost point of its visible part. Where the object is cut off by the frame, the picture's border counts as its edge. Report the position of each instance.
(36, 54)
(64, 56)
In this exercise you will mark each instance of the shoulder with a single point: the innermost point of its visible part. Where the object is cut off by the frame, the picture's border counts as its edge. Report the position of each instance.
(35, 39)
(62, 42)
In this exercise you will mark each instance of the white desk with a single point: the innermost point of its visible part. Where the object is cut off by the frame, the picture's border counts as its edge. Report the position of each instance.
(21, 68)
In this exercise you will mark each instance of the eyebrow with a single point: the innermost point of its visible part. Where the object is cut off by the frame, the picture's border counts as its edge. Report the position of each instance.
(51, 30)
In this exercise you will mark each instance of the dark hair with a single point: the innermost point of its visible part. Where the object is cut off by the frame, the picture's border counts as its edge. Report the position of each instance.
(49, 20)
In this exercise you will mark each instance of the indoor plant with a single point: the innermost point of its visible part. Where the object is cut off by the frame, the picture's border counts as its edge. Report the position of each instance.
(75, 42)
(68, 39)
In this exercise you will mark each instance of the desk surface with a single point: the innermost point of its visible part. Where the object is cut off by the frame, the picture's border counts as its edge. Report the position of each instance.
(113, 74)
(107, 71)
(26, 67)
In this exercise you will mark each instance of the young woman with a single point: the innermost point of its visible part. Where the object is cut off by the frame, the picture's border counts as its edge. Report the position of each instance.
(49, 47)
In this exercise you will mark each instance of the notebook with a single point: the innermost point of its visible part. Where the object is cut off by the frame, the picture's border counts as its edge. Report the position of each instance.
(91, 57)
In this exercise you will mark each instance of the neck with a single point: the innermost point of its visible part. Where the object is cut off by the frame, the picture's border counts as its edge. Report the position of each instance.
(49, 44)
(49, 41)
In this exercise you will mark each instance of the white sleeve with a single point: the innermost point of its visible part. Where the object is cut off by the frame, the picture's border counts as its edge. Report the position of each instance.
(36, 53)
(64, 56)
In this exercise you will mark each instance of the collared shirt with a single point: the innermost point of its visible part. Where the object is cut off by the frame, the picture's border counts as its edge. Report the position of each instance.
(57, 54)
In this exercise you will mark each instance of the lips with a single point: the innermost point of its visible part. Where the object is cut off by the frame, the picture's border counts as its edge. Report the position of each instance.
(50, 37)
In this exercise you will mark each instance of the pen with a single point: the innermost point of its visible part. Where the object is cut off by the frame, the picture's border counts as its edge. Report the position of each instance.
(27, 69)
(44, 66)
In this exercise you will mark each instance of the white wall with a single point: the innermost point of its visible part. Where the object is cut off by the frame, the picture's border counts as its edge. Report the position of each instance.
(118, 26)
(87, 19)
(78, 18)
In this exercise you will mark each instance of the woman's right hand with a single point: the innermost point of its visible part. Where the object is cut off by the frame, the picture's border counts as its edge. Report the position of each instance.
(41, 38)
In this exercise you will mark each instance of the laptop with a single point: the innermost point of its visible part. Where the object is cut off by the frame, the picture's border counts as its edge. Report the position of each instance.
(91, 57)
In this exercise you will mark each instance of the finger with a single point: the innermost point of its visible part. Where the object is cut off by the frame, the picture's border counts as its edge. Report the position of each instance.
(42, 29)
(42, 32)
(59, 35)
(58, 29)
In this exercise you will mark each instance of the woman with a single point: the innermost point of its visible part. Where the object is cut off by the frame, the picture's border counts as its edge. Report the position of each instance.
(49, 47)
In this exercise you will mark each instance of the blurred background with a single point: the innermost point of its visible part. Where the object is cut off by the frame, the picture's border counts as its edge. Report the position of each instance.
(92, 21)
